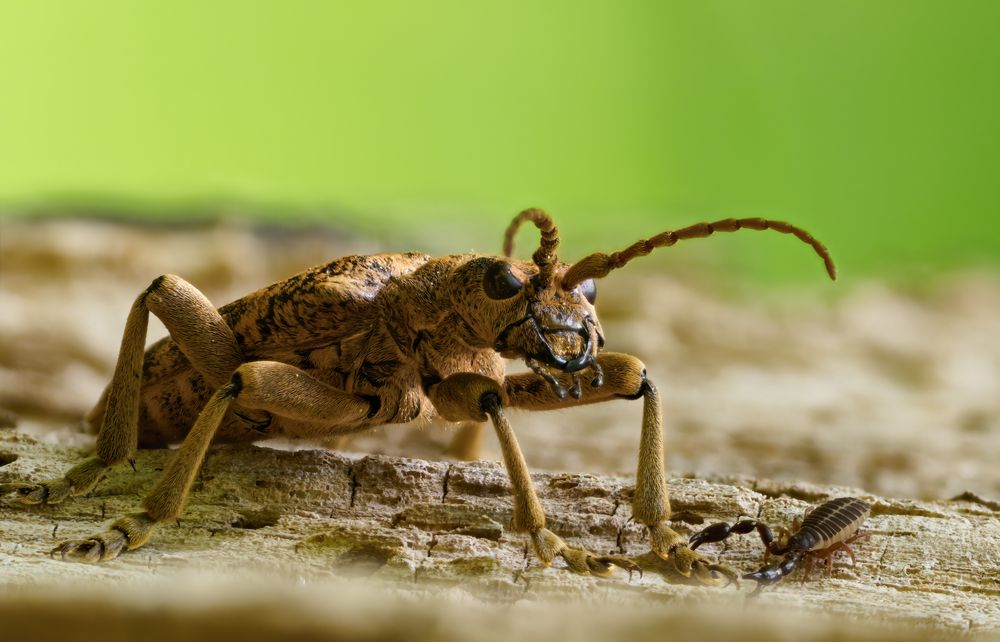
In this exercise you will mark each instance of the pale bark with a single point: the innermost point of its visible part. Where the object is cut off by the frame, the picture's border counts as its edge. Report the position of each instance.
(439, 529)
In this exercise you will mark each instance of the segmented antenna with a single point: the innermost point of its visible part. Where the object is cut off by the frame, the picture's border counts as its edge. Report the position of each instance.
(598, 265)
(545, 256)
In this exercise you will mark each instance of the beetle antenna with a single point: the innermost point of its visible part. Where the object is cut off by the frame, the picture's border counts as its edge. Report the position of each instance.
(545, 256)
(598, 265)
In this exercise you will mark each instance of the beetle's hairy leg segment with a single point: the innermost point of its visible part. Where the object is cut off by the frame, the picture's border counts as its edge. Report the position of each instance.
(459, 396)
(468, 440)
(528, 514)
(205, 340)
(125, 534)
(118, 436)
(470, 396)
(620, 376)
(264, 385)
(197, 328)
(167, 499)
(288, 391)
(651, 502)
(474, 397)
(80, 479)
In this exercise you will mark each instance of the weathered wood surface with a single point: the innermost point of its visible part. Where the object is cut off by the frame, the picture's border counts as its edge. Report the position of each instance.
(439, 529)
(892, 389)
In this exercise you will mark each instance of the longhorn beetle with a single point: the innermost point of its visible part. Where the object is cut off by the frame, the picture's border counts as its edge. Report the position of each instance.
(382, 339)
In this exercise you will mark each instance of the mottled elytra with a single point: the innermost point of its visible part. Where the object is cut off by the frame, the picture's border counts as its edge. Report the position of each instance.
(365, 341)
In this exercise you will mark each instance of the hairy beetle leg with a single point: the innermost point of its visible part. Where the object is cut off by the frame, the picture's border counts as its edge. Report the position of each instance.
(79, 480)
(586, 563)
(53, 491)
(548, 546)
(671, 546)
(127, 533)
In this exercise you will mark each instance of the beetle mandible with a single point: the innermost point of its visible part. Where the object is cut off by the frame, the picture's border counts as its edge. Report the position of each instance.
(383, 339)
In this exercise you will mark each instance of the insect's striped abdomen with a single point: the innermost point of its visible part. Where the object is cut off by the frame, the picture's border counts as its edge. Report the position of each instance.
(832, 522)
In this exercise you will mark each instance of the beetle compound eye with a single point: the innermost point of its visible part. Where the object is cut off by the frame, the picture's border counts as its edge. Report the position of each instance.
(500, 283)
(589, 290)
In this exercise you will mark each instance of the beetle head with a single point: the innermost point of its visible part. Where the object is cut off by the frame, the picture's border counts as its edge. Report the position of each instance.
(557, 330)
(543, 311)
(521, 309)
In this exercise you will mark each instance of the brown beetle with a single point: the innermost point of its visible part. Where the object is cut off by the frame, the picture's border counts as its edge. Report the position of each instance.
(370, 340)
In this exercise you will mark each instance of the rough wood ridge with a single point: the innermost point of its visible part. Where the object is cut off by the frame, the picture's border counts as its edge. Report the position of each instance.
(427, 525)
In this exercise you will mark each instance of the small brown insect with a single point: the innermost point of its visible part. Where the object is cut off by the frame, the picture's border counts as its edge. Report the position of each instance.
(830, 527)
(365, 341)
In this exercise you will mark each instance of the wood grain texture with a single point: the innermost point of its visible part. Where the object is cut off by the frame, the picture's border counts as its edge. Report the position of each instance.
(439, 529)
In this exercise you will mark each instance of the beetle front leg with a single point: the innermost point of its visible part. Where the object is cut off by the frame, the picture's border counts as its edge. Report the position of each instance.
(473, 397)
(625, 378)
(651, 504)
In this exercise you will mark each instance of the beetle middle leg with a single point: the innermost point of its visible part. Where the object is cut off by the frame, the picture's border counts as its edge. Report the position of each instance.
(278, 388)
(466, 443)
(625, 378)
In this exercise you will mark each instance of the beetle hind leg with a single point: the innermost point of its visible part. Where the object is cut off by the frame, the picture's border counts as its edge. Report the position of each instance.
(262, 385)
(204, 338)
(467, 442)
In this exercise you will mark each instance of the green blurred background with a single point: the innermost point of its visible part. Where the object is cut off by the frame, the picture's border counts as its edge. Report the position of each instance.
(873, 123)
